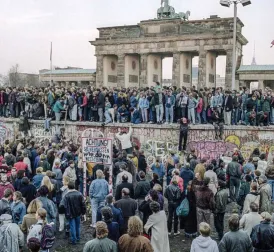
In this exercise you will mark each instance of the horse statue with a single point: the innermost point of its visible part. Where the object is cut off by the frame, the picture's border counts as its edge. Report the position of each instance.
(182, 15)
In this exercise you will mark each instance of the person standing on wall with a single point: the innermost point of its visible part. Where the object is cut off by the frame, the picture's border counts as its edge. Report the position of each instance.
(183, 133)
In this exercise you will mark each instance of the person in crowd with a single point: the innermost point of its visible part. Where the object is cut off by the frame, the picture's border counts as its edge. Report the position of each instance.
(170, 166)
(142, 189)
(244, 190)
(20, 165)
(221, 201)
(234, 173)
(123, 171)
(52, 190)
(5, 202)
(4, 184)
(204, 243)
(251, 219)
(184, 127)
(249, 166)
(64, 190)
(173, 195)
(135, 116)
(252, 196)
(101, 242)
(213, 184)
(11, 237)
(186, 174)
(47, 204)
(200, 168)
(37, 179)
(124, 184)
(28, 190)
(155, 180)
(134, 241)
(159, 169)
(117, 214)
(262, 234)
(34, 245)
(156, 224)
(142, 163)
(265, 194)
(262, 164)
(235, 239)
(71, 171)
(113, 227)
(144, 106)
(169, 107)
(30, 218)
(58, 108)
(17, 184)
(269, 173)
(124, 138)
(18, 208)
(205, 203)
(128, 207)
(74, 205)
(97, 192)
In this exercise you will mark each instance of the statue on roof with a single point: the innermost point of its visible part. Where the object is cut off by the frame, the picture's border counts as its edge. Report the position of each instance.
(167, 11)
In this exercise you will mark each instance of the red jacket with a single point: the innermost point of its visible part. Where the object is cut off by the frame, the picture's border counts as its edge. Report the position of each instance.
(20, 166)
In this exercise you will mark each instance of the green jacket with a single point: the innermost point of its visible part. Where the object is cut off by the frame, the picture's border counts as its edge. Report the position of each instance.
(103, 245)
(58, 107)
(265, 105)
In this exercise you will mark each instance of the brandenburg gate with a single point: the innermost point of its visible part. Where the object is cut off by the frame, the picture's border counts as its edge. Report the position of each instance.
(131, 56)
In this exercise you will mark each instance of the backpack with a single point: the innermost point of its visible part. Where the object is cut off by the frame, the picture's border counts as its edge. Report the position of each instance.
(48, 237)
(183, 208)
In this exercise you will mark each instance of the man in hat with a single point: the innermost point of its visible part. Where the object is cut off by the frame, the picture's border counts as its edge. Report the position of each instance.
(11, 236)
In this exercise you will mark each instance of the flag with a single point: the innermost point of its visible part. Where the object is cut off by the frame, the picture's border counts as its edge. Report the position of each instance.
(272, 44)
(50, 51)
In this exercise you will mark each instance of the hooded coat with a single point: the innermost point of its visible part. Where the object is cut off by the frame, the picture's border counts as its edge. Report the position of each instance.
(204, 244)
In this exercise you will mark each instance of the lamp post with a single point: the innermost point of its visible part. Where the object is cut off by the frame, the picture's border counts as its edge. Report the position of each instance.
(227, 3)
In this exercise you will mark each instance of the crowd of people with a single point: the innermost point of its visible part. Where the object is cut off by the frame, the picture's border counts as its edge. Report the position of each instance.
(156, 104)
(41, 194)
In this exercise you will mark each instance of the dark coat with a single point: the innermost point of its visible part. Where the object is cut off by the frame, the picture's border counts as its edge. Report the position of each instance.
(262, 237)
(28, 192)
(101, 100)
(113, 231)
(142, 163)
(117, 215)
(142, 189)
(4, 207)
(228, 106)
(129, 186)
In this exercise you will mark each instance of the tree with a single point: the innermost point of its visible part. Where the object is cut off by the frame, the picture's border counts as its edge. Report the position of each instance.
(4, 80)
(14, 77)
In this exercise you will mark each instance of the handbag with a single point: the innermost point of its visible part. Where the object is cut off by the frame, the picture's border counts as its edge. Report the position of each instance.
(183, 208)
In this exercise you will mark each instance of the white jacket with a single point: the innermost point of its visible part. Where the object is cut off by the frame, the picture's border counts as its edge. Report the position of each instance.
(125, 139)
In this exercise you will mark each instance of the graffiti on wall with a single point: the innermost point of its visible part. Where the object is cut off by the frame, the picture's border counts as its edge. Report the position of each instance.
(5, 133)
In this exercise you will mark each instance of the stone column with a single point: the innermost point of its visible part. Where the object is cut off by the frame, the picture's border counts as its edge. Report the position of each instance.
(67, 84)
(202, 69)
(176, 70)
(121, 70)
(99, 71)
(186, 69)
(143, 70)
(228, 71)
(261, 85)
(211, 69)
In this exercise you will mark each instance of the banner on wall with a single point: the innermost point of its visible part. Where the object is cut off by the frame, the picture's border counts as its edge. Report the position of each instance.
(97, 150)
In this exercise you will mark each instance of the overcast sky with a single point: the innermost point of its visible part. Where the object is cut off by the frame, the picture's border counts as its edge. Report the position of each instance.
(28, 26)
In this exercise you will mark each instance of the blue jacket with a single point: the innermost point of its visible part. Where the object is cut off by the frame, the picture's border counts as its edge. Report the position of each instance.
(113, 231)
(160, 171)
(121, 110)
(37, 179)
(135, 117)
(117, 215)
(187, 175)
(172, 101)
(133, 101)
(49, 206)
(18, 210)
(98, 189)
(143, 103)
(217, 101)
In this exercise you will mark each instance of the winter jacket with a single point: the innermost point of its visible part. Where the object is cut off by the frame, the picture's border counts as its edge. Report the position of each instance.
(244, 190)
(20, 166)
(98, 189)
(221, 200)
(18, 211)
(170, 101)
(103, 245)
(228, 105)
(37, 179)
(203, 244)
(250, 104)
(265, 197)
(216, 101)
(119, 188)
(204, 198)
(5, 207)
(133, 101)
(142, 163)
(134, 244)
(199, 108)
(135, 117)
(74, 204)
(101, 100)
(262, 237)
(160, 171)
(192, 103)
(143, 103)
(234, 170)
(142, 189)
(71, 173)
(265, 103)
(49, 206)
(238, 241)
(117, 214)
(187, 175)
(58, 107)
(173, 194)
(248, 221)
(251, 197)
